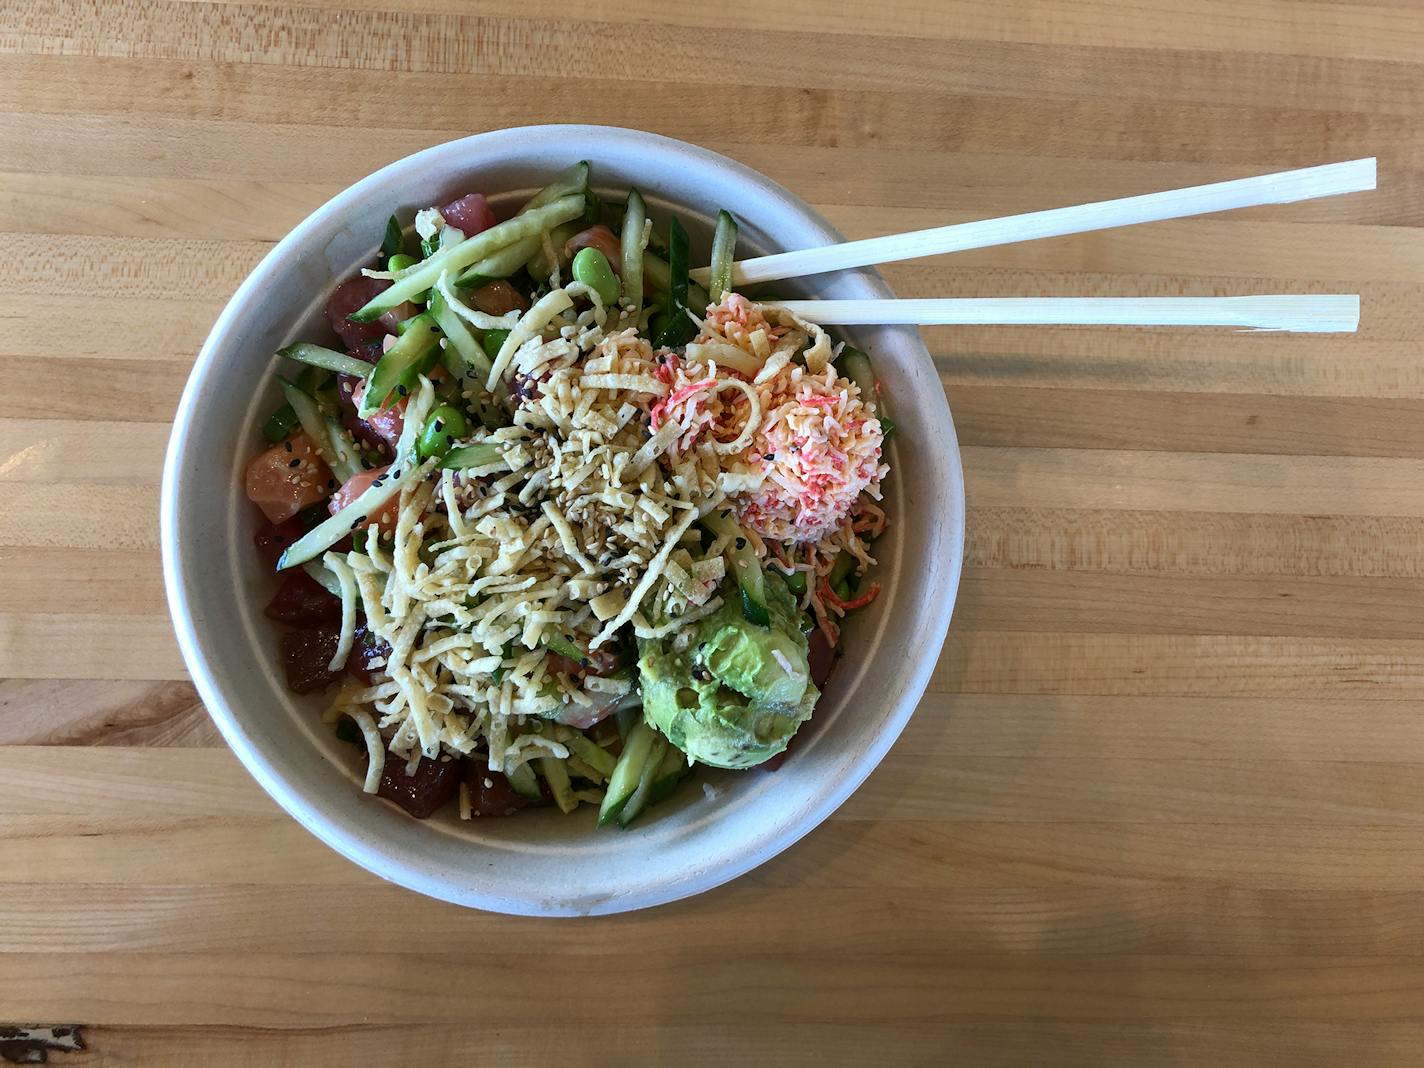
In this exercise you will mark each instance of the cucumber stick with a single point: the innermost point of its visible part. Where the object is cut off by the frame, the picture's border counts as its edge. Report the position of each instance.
(595, 756)
(724, 249)
(634, 244)
(571, 182)
(673, 770)
(557, 776)
(480, 454)
(354, 516)
(412, 354)
(470, 251)
(327, 359)
(855, 365)
(657, 274)
(746, 568)
(458, 337)
(522, 780)
(639, 799)
(325, 432)
(627, 772)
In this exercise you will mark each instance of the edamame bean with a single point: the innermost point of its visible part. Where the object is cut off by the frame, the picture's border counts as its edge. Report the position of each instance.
(400, 261)
(591, 267)
(443, 426)
(493, 341)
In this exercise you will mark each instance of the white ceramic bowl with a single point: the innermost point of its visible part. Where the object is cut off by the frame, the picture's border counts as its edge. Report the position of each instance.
(541, 862)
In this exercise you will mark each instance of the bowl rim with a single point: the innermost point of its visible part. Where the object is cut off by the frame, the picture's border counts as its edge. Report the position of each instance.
(288, 793)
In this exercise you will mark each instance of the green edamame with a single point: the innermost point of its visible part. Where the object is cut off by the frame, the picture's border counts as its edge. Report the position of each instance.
(444, 425)
(400, 261)
(592, 268)
(493, 341)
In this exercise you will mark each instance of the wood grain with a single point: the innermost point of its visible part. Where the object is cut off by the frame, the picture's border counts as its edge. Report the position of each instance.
(1162, 802)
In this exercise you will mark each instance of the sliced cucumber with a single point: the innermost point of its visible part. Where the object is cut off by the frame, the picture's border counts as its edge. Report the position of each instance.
(580, 769)
(481, 454)
(657, 274)
(524, 783)
(460, 256)
(627, 772)
(568, 182)
(413, 353)
(724, 249)
(458, 337)
(563, 646)
(353, 517)
(557, 776)
(539, 266)
(348, 457)
(595, 756)
(855, 365)
(324, 577)
(639, 799)
(673, 770)
(500, 264)
(746, 568)
(327, 359)
(319, 427)
(634, 244)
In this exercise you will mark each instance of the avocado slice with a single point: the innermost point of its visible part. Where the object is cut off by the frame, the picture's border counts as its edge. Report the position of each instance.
(735, 696)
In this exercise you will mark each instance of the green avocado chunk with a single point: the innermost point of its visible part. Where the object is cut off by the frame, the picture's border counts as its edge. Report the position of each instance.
(737, 693)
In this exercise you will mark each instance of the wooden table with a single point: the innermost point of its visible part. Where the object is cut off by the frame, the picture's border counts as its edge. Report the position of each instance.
(1164, 803)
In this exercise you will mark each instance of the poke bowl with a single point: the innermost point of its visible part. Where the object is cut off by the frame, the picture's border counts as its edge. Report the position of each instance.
(725, 587)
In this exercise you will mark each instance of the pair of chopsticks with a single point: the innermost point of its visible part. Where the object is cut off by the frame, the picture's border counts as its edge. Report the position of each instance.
(1309, 313)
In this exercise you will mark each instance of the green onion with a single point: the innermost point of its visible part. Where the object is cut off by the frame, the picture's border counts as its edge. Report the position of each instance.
(676, 328)
(493, 341)
(442, 427)
(394, 238)
(279, 424)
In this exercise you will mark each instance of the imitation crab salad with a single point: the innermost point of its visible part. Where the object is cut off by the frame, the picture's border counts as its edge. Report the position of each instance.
(552, 523)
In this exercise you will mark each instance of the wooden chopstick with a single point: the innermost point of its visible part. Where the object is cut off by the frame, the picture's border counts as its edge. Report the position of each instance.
(1285, 187)
(1311, 313)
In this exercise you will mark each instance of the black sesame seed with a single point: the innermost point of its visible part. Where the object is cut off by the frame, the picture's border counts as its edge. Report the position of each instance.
(294, 463)
(401, 391)
(741, 544)
(287, 445)
(331, 483)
